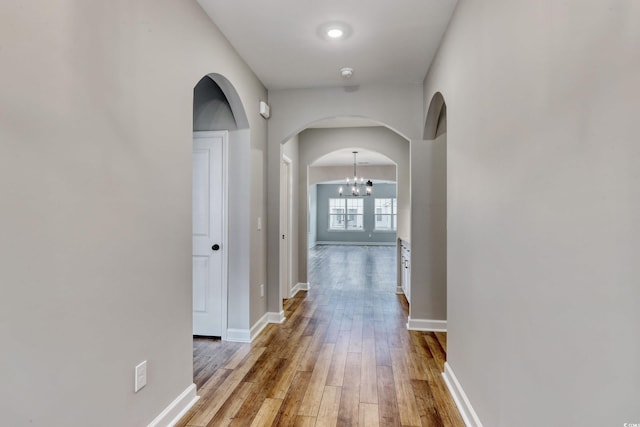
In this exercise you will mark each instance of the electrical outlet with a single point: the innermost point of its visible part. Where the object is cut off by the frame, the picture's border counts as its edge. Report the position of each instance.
(140, 379)
(262, 290)
(259, 224)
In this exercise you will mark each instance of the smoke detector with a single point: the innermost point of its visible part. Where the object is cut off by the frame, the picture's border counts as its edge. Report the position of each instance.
(346, 72)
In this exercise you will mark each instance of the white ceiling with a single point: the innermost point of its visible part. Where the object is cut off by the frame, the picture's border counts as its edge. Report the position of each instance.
(390, 41)
(344, 157)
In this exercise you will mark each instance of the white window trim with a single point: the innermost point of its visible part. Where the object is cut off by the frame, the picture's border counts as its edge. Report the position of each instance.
(344, 215)
(393, 215)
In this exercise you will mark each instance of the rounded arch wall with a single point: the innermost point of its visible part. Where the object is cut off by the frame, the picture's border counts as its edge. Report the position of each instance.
(233, 99)
(436, 119)
(397, 107)
(323, 173)
(315, 143)
(394, 106)
(217, 107)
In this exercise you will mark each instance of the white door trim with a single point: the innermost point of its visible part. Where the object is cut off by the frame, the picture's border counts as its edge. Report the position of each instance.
(289, 214)
(225, 215)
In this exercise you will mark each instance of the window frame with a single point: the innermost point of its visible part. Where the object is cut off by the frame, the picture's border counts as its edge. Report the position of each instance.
(393, 215)
(346, 215)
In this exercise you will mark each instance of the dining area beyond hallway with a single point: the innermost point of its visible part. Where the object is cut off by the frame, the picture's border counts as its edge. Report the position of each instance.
(342, 357)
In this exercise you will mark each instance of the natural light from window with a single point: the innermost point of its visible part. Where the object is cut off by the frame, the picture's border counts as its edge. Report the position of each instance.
(346, 214)
(385, 214)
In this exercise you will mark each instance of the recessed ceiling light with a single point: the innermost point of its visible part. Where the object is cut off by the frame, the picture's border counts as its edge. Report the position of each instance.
(335, 33)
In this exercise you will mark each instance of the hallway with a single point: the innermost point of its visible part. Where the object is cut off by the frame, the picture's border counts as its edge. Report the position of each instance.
(343, 356)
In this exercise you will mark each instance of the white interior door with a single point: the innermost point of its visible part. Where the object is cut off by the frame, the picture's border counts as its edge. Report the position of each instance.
(209, 298)
(285, 228)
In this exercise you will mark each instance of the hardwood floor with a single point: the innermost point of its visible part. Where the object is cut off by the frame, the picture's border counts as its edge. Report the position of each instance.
(343, 357)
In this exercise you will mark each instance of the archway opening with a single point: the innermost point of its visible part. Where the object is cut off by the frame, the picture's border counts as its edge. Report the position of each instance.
(317, 141)
(428, 246)
(220, 146)
(372, 220)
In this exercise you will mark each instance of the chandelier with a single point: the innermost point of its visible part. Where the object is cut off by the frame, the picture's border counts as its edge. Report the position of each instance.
(358, 186)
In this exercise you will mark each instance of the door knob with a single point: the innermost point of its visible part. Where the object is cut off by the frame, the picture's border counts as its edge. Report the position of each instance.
(215, 247)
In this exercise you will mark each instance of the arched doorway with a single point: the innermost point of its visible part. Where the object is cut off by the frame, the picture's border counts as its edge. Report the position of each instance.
(373, 137)
(428, 244)
(220, 137)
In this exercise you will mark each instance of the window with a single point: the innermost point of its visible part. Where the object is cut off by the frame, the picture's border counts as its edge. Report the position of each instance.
(346, 214)
(385, 214)
(336, 214)
(355, 211)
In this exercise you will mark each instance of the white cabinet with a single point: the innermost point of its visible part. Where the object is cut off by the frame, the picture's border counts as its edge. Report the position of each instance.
(405, 266)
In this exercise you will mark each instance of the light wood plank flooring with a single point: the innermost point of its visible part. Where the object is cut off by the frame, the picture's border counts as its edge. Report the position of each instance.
(343, 357)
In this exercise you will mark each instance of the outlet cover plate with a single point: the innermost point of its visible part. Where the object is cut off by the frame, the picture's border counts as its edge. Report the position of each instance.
(140, 379)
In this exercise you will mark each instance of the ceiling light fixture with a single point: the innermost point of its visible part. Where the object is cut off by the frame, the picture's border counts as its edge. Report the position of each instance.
(334, 31)
(358, 187)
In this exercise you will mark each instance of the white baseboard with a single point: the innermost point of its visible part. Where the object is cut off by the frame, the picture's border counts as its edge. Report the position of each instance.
(426, 325)
(275, 317)
(299, 287)
(239, 335)
(469, 416)
(176, 409)
(248, 335)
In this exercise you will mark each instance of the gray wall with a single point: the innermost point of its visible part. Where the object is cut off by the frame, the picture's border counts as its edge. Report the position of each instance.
(429, 230)
(543, 205)
(96, 127)
(368, 234)
(313, 217)
(239, 233)
(290, 149)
